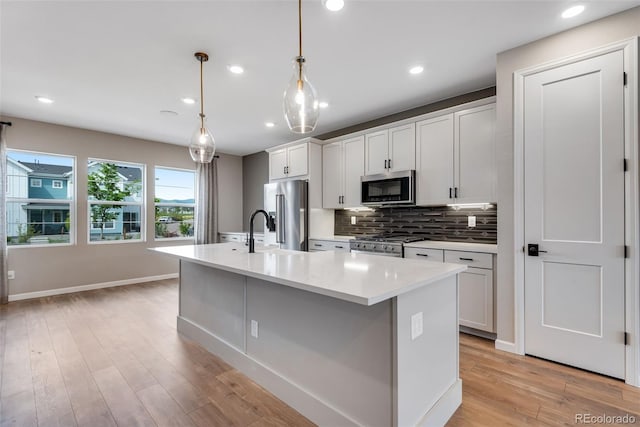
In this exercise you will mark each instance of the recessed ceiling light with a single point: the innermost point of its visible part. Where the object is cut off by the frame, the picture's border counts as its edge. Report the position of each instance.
(323, 104)
(416, 70)
(333, 5)
(44, 99)
(189, 101)
(573, 11)
(269, 124)
(236, 69)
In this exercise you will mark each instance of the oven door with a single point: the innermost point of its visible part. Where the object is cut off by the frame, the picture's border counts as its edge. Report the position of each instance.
(376, 253)
(395, 188)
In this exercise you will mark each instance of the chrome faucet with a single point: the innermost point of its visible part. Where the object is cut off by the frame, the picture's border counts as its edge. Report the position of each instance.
(271, 226)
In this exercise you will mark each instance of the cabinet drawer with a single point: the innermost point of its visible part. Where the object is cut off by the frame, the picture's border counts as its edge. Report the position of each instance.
(328, 245)
(472, 259)
(426, 254)
(225, 238)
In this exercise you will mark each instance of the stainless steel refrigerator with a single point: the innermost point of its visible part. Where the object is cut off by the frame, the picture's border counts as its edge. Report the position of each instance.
(287, 201)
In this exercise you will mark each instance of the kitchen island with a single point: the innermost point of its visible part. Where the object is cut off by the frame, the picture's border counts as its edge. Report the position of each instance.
(345, 339)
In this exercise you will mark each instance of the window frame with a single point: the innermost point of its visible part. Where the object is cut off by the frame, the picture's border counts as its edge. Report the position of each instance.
(188, 205)
(57, 181)
(33, 181)
(72, 202)
(142, 203)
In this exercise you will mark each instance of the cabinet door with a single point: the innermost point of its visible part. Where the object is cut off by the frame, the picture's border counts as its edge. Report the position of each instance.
(475, 175)
(376, 152)
(402, 147)
(353, 152)
(434, 152)
(298, 160)
(476, 299)
(277, 164)
(435, 255)
(332, 169)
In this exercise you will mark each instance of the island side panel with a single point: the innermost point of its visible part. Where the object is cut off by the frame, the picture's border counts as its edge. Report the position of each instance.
(338, 351)
(214, 300)
(427, 388)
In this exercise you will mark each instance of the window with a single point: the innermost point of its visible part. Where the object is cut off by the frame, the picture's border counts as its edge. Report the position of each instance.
(56, 183)
(36, 215)
(174, 202)
(116, 201)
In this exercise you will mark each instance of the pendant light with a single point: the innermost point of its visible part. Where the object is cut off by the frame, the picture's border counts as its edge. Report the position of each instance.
(301, 109)
(202, 147)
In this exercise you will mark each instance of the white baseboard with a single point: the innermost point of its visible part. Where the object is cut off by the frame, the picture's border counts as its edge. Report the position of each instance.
(72, 289)
(444, 408)
(312, 407)
(506, 346)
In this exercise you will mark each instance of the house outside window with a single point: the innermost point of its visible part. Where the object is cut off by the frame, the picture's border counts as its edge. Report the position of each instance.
(174, 203)
(39, 212)
(116, 201)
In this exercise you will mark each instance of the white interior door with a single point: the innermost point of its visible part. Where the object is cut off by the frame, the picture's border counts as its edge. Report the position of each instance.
(574, 209)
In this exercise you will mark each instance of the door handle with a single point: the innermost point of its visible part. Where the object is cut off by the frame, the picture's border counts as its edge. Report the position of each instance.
(533, 249)
(389, 163)
(450, 193)
(466, 259)
(422, 254)
(455, 192)
(385, 164)
(280, 220)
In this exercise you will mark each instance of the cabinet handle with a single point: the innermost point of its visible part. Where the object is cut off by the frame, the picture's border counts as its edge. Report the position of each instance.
(339, 247)
(317, 244)
(455, 192)
(385, 164)
(422, 254)
(389, 163)
(466, 259)
(450, 193)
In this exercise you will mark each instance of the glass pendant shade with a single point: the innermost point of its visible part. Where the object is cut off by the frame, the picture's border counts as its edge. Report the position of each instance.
(301, 109)
(202, 146)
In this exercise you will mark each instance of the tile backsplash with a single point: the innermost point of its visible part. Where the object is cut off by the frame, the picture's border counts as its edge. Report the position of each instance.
(432, 223)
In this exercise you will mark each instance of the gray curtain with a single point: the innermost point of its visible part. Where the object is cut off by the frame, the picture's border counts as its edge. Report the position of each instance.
(4, 280)
(207, 203)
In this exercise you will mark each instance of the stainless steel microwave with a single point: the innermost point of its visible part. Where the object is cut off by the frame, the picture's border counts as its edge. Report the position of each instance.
(391, 189)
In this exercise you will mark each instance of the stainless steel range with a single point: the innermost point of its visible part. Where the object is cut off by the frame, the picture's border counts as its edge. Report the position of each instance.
(384, 244)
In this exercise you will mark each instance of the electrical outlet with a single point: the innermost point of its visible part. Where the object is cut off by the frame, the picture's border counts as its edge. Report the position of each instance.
(254, 328)
(416, 325)
(471, 221)
(11, 274)
(353, 220)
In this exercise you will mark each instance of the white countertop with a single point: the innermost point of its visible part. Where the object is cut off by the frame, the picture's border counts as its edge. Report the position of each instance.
(335, 238)
(359, 278)
(455, 246)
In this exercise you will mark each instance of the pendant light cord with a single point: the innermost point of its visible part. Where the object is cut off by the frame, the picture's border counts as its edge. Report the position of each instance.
(300, 44)
(201, 98)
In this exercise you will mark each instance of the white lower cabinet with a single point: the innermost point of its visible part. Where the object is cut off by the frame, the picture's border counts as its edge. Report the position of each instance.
(316, 245)
(475, 285)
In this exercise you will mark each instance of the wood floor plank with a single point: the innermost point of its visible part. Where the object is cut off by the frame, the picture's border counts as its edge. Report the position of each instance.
(121, 400)
(164, 410)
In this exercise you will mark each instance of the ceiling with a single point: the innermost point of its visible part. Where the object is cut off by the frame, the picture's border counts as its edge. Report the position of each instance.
(112, 66)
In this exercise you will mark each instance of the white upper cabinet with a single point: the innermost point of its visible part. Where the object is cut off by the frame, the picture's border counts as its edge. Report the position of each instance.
(390, 150)
(475, 154)
(289, 162)
(402, 148)
(434, 153)
(332, 171)
(456, 157)
(342, 167)
(278, 164)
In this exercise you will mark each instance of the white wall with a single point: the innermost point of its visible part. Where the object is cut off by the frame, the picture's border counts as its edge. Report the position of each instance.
(589, 36)
(47, 268)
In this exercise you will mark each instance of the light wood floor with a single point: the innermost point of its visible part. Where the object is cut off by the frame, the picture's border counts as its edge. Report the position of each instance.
(113, 357)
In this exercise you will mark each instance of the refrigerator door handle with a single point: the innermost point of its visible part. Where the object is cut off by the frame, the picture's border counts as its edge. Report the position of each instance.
(280, 220)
